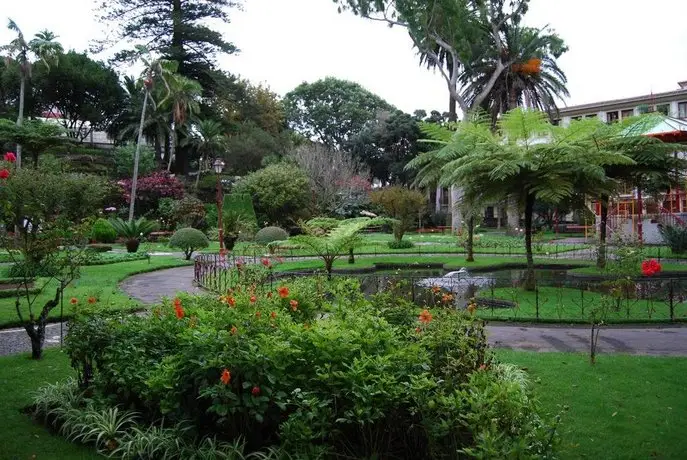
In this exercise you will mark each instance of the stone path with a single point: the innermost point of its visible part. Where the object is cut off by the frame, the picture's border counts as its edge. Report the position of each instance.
(666, 340)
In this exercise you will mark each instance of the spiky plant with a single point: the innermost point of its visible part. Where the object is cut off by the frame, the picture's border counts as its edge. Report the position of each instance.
(133, 231)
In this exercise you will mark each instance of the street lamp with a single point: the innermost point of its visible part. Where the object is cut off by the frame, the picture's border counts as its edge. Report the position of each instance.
(218, 165)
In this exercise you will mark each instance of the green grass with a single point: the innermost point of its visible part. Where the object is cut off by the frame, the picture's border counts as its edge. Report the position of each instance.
(20, 438)
(624, 407)
(593, 270)
(100, 281)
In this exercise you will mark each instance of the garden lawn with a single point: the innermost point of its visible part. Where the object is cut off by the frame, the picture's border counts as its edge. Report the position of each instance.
(20, 438)
(624, 407)
(99, 281)
(665, 267)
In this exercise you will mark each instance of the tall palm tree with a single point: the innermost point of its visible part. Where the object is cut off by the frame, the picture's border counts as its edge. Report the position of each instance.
(520, 85)
(43, 47)
(208, 139)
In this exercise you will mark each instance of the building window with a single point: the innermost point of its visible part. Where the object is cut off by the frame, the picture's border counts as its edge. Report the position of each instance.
(682, 110)
(663, 108)
(626, 113)
(611, 117)
(591, 115)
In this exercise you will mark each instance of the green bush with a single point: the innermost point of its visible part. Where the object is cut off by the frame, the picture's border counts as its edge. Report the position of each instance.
(124, 160)
(100, 247)
(270, 234)
(103, 231)
(241, 204)
(675, 238)
(189, 240)
(403, 244)
(310, 364)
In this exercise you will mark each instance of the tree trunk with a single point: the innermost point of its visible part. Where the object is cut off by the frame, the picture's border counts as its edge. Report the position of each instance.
(177, 37)
(640, 212)
(134, 179)
(469, 246)
(452, 112)
(20, 117)
(351, 256)
(37, 344)
(172, 145)
(529, 211)
(601, 255)
(328, 263)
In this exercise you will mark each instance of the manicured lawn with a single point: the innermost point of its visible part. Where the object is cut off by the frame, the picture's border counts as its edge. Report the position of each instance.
(624, 407)
(20, 438)
(99, 281)
(666, 267)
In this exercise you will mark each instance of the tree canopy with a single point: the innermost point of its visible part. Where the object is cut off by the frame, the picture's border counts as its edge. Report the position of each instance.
(331, 111)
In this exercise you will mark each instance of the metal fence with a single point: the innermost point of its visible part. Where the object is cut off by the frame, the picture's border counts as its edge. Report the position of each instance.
(500, 295)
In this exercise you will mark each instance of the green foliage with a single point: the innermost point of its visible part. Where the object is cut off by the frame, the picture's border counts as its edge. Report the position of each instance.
(103, 231)
(268, 235)
(331, 110)
(402, 204)
(280, 192)
(135, 229)
(675, 238)
(189, 240)
(241, 204)
(400, 244)
(35, 136)
(189, 212)
(97, 247)
(305, 363)
(124, 160)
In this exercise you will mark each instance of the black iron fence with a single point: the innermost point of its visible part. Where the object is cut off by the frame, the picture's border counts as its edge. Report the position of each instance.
(499, 295)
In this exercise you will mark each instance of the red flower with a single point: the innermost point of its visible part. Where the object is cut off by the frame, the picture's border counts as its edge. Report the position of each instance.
(483, 367)
(178, 309)
(266, 262)
(92, 300)
(294, 305)
(74, 301)
(273, 315)
(651, 267)
(258, 314)
(418, 330)
(10, 157)
(226, 377)
(231, 301)
(255, 391)
(253, 299)
(283, 292)
(234, 331)
(425, 317)
(269, 295)
(4, 174)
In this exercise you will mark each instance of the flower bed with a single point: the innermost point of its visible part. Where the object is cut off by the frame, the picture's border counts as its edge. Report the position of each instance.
(309, 369)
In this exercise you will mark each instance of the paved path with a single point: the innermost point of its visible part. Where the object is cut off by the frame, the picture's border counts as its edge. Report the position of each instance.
(669, 340)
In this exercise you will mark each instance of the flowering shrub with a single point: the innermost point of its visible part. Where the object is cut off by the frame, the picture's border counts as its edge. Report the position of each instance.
(150, 188)
(309, 367)
(650, 267)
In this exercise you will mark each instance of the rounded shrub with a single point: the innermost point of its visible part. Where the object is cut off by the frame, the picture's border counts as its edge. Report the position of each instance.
(103, 231)
(269, 234)
(189, 240)
(403, 244)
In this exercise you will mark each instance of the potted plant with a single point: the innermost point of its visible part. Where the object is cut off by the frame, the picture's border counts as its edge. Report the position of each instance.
(133, 231)
(234, 224)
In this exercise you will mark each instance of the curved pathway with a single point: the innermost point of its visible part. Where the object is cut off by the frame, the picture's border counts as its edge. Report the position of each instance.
(670, 340)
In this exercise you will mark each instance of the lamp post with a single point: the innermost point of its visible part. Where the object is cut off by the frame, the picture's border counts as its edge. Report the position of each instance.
(218, 165)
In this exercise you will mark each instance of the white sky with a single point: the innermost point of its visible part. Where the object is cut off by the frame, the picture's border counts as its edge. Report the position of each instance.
(618, 48)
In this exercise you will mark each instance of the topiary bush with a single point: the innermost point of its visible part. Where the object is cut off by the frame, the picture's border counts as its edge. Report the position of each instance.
(189, 240)
(308, 367)
(268, 235)
(103, 232)
(403, 244)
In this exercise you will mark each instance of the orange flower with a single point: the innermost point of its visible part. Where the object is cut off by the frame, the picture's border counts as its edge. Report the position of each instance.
(425, 317)
(283, 292)
(418, 330)
(179, 311)
(273, 315)
(436, 289)
(177, 302)
(446, 298)
(226, 377)
(92, 300)
(234, 331)
(74, 301)
(258, 314)
(294, 305)
(269, 295)
(231, 301)
(253, 299)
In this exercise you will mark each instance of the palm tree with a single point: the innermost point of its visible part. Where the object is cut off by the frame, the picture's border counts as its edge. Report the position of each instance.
(44, 47)
(184, 100)
(526, 158)
(208, 140)
(537, 86)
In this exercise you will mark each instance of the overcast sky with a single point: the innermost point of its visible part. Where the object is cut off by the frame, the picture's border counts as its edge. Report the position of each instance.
(618, 48)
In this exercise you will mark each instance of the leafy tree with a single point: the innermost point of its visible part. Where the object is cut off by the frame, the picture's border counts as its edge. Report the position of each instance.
(280, 192)
(44, 47)
(83, 94)
(189, 240)
(208, 140)
(35, 135)
(526, 158)
(386, 144)
(403, 204)
(250, 147)
(332, 241)
(151, 189)
(183, 100)
(124, 160)
(176, 30)
(331, 111)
